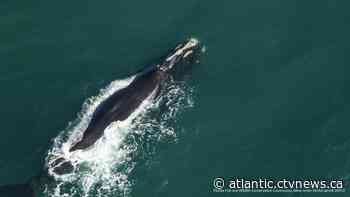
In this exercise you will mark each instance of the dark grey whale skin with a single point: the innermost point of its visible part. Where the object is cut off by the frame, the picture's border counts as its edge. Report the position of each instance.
(120, 105)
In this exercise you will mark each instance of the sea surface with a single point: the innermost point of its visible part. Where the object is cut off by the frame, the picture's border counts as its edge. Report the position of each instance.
(270, 97)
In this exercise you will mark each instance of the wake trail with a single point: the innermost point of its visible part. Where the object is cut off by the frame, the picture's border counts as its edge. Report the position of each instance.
(104, 169)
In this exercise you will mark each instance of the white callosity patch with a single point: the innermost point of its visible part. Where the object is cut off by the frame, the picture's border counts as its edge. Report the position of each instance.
(183, 51)
(103, 169)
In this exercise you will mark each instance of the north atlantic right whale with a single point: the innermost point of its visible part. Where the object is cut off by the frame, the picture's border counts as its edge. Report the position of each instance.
(122, 103)
(118, 107)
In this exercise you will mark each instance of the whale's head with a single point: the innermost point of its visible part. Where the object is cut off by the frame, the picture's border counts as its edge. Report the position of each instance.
(183, 55)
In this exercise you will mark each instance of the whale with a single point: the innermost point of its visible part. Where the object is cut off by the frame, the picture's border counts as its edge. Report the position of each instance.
(118, 107)
(121, 104)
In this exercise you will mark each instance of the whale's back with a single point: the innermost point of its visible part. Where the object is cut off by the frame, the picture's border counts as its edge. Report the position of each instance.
(120, 105)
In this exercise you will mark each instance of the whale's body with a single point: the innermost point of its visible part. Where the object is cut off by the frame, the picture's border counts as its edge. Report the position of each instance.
(122, 103)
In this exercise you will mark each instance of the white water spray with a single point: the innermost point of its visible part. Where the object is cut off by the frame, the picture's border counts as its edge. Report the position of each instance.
(103, 169)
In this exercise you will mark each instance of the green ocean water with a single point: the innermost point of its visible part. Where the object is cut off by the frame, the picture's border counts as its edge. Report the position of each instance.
(271, 94)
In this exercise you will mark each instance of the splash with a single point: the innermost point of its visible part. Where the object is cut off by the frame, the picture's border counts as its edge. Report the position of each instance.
(104, 169)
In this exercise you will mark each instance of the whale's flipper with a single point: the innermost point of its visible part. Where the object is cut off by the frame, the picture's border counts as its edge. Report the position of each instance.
(20, 190)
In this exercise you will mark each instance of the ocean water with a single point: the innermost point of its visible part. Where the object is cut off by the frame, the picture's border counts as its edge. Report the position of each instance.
(270, 97)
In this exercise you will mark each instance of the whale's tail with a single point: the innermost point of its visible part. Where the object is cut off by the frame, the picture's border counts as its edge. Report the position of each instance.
(61, 166)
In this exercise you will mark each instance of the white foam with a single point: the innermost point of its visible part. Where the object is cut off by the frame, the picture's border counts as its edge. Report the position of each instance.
(96, 170)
